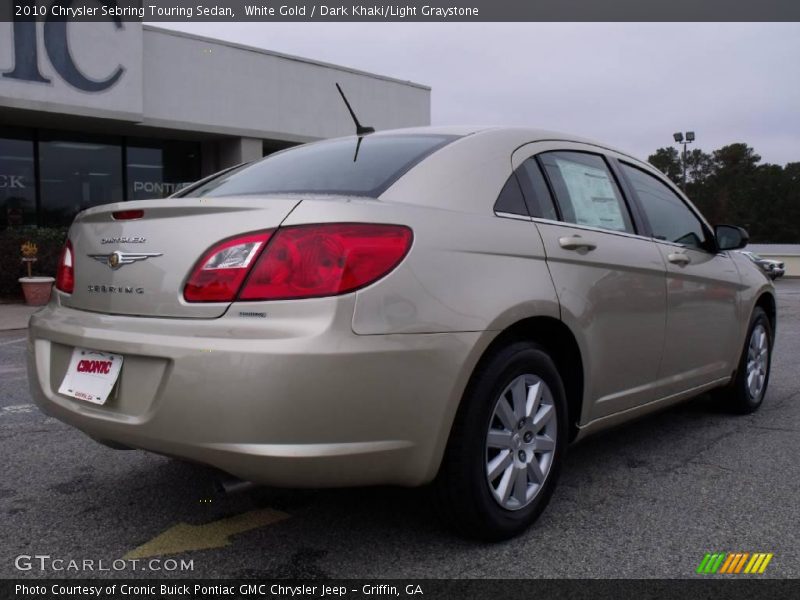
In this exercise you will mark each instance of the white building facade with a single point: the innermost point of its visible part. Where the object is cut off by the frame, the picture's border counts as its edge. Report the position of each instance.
(92, 113)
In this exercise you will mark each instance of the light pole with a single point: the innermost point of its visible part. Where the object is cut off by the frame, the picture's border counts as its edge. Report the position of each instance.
(681, 140)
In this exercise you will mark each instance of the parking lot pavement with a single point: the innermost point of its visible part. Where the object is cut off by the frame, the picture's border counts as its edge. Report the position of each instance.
(648, 499)
(15, 316)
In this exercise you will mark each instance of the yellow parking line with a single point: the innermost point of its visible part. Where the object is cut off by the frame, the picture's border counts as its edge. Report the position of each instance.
(186, 538)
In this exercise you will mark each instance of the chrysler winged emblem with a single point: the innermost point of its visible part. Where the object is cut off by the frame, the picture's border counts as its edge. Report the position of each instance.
(117, 259)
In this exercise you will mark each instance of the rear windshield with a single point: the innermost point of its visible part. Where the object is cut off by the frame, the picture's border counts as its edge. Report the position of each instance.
(340, 166)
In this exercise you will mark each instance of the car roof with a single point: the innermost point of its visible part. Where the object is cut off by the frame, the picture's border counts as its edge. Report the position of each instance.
(458, 130)
(514, 135)
(463, 174)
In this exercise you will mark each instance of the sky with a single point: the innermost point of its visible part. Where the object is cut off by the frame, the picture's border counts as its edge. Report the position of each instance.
(630, 85)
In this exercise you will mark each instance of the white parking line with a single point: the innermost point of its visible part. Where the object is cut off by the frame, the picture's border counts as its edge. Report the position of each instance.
(17, 409)
(9, 342)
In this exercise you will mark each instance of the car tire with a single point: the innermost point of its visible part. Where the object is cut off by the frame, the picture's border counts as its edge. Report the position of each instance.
(472, 487)
(746, 392)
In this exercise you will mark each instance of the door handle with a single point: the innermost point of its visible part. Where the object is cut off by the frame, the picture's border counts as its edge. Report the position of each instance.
(679, 258)
(576, 242)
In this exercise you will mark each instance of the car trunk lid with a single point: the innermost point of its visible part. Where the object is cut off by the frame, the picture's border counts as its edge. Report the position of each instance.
(139, 266)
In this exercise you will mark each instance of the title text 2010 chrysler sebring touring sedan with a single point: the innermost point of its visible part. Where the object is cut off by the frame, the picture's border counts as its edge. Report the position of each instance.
(443, 305)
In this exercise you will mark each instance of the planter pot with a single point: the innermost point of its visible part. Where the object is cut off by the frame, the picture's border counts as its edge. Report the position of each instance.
(36, 290)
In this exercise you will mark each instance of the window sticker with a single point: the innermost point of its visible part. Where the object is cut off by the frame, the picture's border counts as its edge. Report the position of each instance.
(592, 195)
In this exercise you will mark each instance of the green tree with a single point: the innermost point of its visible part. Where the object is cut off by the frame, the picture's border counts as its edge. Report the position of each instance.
(791, 205)
(735, 159)
(733, 188)
(699, 166)
(731, 185)
(668, 162)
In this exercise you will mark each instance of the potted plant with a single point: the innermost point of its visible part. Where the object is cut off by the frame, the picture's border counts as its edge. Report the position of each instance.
(35, 289)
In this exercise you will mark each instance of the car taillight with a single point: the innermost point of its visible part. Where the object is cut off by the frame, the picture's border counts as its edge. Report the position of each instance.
(218, 275)
(308, 261)
(65, 275)
(304, 261)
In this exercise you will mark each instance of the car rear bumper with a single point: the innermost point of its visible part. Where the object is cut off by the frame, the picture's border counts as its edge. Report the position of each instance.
(302, 403)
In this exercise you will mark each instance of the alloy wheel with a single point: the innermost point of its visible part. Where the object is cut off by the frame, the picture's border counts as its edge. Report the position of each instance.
(757, 361)
(521, 441)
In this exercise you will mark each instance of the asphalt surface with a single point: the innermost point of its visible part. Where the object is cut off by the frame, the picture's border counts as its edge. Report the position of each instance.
(648, 499)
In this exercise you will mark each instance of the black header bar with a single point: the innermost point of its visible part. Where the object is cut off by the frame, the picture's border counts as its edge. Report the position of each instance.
(409, 10)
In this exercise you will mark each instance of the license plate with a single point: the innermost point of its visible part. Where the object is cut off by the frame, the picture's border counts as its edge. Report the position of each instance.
(91, 375)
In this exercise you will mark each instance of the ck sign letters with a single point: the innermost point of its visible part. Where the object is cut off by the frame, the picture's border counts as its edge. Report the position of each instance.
(56, 45)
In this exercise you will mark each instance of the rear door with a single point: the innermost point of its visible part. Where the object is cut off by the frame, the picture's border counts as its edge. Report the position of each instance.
(702, 341)
(609, 278)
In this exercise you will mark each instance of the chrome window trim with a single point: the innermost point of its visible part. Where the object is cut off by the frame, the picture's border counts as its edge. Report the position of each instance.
(622, 234)
(516, 217)
(674, 244)
(686, 247)
(590, 228)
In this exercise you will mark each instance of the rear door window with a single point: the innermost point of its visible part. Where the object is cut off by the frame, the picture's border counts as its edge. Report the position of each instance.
(586, 191)
(341, 166)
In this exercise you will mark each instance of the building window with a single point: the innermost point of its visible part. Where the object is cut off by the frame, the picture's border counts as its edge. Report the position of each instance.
(75, 174)
(17, 180)
(48, 177)
(156, 168)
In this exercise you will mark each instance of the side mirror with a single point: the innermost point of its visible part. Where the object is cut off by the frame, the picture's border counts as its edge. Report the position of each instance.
(731, 237)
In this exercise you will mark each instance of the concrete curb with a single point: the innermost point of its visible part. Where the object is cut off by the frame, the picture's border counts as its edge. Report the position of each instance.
(15, 316)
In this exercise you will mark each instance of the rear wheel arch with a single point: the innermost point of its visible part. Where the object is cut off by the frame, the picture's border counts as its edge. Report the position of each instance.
(560, 344)
(473, 487)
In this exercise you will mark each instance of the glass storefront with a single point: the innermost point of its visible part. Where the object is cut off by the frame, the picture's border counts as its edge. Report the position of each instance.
(157, 169)
(47, 177)
(75, 175)
(17, 180)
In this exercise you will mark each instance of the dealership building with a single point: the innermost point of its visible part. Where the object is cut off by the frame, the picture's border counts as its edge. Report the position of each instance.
(92, 113)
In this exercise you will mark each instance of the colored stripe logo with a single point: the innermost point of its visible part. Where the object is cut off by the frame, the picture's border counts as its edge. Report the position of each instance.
(732, 563)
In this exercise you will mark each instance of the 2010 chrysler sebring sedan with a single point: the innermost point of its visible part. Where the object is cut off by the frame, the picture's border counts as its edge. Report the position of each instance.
(435, 304)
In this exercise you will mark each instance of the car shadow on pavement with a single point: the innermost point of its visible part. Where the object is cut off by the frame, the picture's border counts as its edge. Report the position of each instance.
(187, 492)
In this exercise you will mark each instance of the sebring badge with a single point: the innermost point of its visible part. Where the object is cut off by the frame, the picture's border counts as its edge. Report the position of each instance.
(117, 259)
(124, 240)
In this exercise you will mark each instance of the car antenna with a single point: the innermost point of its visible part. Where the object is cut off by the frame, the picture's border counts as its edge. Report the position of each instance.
(361, 130)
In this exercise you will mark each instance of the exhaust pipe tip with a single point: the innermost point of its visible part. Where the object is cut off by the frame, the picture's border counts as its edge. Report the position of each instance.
(233, 485)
